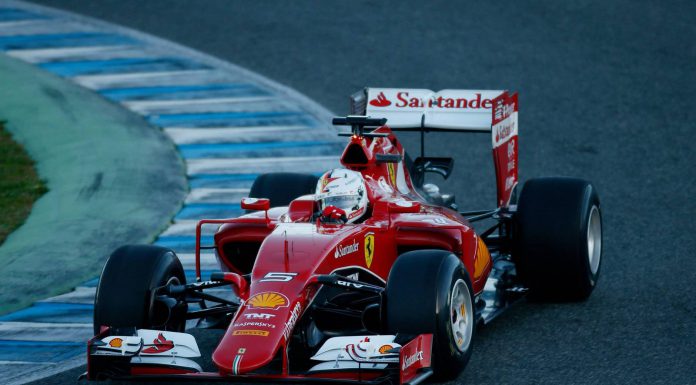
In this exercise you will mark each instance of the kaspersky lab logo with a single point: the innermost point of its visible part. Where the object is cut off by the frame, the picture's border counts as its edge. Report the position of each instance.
(380, 101)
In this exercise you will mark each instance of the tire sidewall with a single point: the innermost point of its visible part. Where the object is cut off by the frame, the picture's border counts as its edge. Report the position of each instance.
(448, 360)
(418, 300)
(590, 200)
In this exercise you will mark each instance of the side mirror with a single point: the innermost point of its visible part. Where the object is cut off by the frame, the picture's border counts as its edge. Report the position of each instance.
(256, 204)
(404, 206)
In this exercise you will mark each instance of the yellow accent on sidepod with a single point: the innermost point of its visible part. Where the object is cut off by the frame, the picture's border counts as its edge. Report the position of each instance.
(483, 258)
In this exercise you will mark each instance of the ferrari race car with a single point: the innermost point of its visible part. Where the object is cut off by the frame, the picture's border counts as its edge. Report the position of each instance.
(366, 274)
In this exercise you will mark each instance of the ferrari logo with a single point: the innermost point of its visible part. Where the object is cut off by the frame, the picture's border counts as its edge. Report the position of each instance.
(369, 248)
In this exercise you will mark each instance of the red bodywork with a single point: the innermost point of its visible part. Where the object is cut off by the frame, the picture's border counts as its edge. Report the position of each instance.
(293, 249)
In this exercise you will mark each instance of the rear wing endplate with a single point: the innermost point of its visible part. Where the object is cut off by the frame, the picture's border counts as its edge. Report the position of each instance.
(504, 140)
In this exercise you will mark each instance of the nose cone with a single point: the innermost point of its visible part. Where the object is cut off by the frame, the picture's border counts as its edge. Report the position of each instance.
(261, 328)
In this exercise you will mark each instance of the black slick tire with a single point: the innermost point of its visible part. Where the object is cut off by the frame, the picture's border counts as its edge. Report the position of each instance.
(558, 240)
(125, 294)
(282, 187)
(418, 300)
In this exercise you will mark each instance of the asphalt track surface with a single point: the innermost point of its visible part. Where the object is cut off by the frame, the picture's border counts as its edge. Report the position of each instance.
(606, 93)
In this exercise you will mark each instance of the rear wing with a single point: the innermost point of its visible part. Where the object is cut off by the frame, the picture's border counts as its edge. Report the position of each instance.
(423, 110)
(414, 109)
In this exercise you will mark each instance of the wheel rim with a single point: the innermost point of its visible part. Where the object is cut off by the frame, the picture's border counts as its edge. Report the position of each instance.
(594, 239)
(165, 325)
(461, 315)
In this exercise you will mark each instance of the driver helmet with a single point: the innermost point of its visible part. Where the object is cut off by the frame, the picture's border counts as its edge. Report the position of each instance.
(344, 189)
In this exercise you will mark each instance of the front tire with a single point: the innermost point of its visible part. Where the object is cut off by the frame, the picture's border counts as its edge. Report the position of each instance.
(126, 292)
(429, 291)
(558, 238)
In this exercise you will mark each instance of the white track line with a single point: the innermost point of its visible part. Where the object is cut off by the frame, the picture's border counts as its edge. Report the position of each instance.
(217, 195)
(82, 53)
(24, 363)
(251, 105)
(187, 228)
(41, 27)
(183, 135)
(208, 261)
(97, 82)
(149, 107)
(81, 294)
(37, 371)
(314, 164)
(14, 24)
(36, 331)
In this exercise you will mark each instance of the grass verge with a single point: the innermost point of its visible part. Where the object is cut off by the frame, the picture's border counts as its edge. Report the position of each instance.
(20, 186)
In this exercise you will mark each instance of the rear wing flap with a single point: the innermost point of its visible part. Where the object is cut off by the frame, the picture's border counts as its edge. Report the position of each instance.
(414, 109)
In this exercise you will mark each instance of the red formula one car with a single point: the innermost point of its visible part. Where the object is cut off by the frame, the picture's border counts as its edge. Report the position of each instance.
(367, 274)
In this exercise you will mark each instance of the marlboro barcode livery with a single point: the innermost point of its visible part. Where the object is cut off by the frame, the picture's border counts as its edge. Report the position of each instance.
(362, 274)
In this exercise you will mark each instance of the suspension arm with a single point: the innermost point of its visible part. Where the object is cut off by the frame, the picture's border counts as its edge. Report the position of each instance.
(345, 283)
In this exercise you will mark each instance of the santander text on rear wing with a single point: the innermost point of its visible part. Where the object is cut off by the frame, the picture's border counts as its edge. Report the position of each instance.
(413, 109)
(493, 111)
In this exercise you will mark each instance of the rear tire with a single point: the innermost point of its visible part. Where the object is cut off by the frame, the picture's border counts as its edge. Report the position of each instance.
(429, 291)
(283, 187)
(558, 238)
(125, 294)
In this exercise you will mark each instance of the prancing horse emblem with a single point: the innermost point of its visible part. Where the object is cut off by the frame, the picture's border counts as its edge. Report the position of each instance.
(369, 248)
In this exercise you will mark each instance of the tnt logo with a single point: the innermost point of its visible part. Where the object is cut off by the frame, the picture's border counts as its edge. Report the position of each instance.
(259, 316)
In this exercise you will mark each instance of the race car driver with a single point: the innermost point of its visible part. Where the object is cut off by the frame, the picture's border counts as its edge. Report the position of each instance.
(342, 196)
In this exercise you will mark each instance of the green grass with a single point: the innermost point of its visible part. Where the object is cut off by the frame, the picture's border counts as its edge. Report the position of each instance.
(20, 186)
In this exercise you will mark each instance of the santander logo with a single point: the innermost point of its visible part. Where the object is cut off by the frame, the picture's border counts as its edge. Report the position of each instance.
(458, 100)
(380, 101)
(474, 102)
(503, 131)
(160, 345)
(412, 359)
(345, 250)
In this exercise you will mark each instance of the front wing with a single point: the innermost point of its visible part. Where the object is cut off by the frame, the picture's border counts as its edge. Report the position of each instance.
(152, 354)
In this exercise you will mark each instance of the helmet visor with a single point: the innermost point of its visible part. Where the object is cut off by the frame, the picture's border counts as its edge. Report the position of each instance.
(346, 203)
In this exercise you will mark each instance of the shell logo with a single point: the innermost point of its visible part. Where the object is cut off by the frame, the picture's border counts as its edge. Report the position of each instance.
(116, 343)
(384, 349)
(268, 300)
